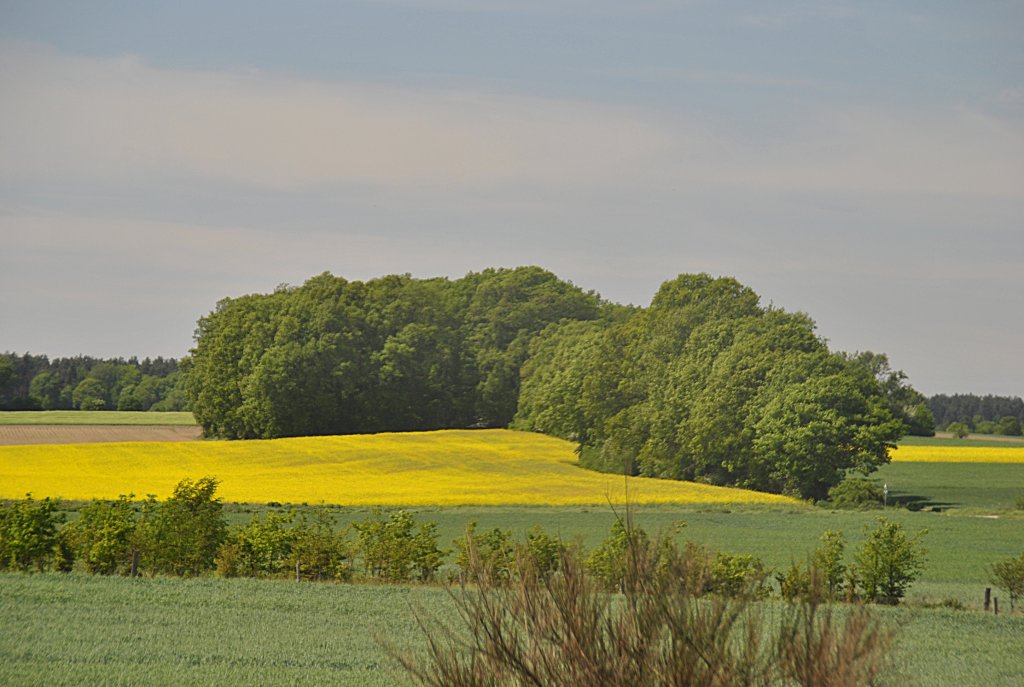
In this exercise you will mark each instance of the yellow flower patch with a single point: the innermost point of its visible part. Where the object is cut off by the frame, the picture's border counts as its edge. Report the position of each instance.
(450, 467)
(956, 454)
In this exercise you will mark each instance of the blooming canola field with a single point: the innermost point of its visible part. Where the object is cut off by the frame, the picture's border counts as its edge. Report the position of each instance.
(958, 454)
(443, 468)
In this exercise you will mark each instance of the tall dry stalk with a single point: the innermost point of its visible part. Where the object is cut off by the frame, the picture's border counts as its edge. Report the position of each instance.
(563, 630)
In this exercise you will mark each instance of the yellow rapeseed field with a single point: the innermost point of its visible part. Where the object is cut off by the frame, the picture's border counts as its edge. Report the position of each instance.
(957, 454)
(451, 467)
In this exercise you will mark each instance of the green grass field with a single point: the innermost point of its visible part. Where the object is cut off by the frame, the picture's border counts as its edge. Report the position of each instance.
(79, 630)
(94, 417)
(973, 440)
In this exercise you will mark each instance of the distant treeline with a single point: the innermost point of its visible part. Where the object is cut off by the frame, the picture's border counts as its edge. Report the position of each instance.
(705, 384)
(34, 382)
(981, 414)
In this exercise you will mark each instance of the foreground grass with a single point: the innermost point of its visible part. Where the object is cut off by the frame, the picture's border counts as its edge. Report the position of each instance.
(94, 417)
(451, 467)
(78, 630)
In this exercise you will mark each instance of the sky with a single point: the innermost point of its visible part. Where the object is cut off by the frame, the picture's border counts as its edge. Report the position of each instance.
(862, 162)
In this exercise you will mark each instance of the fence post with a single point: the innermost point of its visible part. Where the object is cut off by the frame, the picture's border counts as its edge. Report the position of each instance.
(995, 604)
(135, 563)
(988, 598)
(298, 571)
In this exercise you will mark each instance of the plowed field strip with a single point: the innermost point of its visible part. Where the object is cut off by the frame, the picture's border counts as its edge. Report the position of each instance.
(11, 435)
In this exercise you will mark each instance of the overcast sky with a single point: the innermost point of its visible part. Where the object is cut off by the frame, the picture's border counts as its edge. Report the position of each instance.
(859, 161)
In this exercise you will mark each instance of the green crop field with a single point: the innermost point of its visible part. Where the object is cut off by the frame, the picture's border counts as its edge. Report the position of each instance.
(83, 630)
(974, 440)
(78, 629)
(977, 486)
(94, 417)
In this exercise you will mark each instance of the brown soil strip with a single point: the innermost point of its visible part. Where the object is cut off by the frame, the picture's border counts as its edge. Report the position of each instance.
(87, 434)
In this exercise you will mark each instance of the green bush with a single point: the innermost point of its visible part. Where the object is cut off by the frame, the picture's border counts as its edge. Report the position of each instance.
(856, 492)
(889, 562)
(1009, 575)
(103, 536)
(958, 429)
(492, 552)
(29, 533)
(396, 550)
(182, 535)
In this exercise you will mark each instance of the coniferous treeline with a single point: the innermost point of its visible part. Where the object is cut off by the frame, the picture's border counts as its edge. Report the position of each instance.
(705, 384)
(982, 414)
(35, 382)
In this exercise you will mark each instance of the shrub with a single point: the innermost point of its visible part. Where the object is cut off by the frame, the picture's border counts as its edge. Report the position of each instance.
(889, 562)
(958, 429)
(103, 536)
(607, 563)
(260, 549)
(182, 535)
(1009, 575)
(396, 550)
(541, 551)
(856, 492)
(825, 575)
(493, 550)
(29, 533)
(318, 551)
(565, 631)
(733, 576)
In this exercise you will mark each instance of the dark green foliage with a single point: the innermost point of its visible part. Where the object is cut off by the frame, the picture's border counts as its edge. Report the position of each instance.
(607, 563)
(397, 549)
(958, 429)
(1009, 575)
(260, 549)
(971, 409)
(707, 385)
(888, 562)
(319, 551)
(390, 354)
(491, 551)
(824, 576)
(856, 492)
(181, 536)
(103, 536)
(542, 552)
(29, 534)
(34, 382)
(1008, 426)
(736, 575)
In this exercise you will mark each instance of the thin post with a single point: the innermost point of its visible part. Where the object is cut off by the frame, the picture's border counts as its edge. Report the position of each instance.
(135, 563)
(298, 571)
(995, 604)
(988, 598)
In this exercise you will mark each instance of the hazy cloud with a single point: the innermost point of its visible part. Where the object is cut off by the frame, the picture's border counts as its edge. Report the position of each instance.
(121, 119)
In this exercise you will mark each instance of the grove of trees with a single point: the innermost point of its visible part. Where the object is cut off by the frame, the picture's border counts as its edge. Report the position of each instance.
(705, 384)
(978, 414)
(34, 382)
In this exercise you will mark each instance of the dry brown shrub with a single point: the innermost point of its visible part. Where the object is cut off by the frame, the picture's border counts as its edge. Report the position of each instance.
(563, 630)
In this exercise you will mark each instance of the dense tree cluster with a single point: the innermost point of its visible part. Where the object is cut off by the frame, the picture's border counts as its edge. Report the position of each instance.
(34, 382)
(705, 384)
(708, 385)
(980, 414)
(395, 353)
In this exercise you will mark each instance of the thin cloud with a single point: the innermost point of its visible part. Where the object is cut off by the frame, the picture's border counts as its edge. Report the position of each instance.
(72, 118)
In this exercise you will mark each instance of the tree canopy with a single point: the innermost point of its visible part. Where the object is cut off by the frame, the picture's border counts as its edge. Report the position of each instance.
(704, 384)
